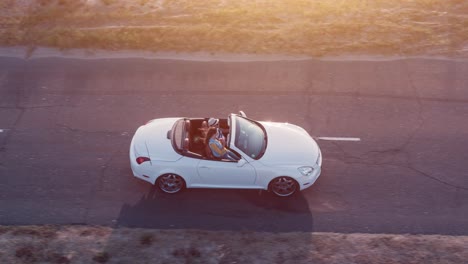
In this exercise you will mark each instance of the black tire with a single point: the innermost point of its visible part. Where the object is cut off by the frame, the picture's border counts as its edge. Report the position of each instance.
(283, 186)
(170, 183)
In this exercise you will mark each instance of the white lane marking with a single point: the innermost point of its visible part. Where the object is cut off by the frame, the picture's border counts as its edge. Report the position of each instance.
(339, 138)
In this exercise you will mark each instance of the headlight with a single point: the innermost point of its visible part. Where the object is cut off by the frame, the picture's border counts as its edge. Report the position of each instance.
(306, 170)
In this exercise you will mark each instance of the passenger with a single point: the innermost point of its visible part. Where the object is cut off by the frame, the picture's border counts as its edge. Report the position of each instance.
(201, 138)
(218, 146)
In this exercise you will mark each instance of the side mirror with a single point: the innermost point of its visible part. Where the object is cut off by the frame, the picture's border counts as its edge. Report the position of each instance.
(241, 113)
(241, 162)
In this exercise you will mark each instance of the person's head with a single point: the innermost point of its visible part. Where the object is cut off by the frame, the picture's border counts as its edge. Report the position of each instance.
(213, 122)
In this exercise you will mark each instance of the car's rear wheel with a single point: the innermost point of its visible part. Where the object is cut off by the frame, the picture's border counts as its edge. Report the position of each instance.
(283, 186)
(170, 183)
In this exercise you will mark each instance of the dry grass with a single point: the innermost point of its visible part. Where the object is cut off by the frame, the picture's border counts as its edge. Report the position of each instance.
(81, 244)
(316, 28)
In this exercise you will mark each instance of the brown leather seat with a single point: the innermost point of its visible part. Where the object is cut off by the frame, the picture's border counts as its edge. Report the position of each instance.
(186, 144)
(208, 152)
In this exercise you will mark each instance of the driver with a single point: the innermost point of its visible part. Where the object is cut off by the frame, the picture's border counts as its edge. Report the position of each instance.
(218, 145)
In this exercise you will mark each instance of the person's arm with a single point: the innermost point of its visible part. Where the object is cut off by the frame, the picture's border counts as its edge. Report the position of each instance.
(222, 141)
(217, 147)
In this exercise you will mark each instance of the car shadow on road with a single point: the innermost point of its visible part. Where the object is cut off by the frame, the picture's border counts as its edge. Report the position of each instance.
(218, 209)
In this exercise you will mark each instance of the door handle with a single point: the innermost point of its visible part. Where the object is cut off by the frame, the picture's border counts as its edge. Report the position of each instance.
(204, 167)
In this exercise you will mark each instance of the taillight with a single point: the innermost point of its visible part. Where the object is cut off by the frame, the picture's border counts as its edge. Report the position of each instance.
(140, 160)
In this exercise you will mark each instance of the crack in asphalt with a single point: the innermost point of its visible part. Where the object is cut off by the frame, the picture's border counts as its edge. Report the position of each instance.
(363, 159)
(17, 120)
(404, 145)
(104, 167)
(100, 185)
(426, 175)
(435, 178)
(420, 118)
(82, 131)
(392, 152)
(19, 91)
(351, 159)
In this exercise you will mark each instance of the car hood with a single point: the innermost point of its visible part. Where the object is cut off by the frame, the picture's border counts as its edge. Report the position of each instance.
(151, 139)
(289, 144)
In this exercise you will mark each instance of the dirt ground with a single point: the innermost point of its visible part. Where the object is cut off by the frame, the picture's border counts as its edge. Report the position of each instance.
(295, 27)
(88, 244)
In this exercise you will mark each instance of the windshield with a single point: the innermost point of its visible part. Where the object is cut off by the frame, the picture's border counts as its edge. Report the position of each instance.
(250, 138)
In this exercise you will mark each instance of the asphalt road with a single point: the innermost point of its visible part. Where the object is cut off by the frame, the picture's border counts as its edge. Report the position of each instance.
(66, 125)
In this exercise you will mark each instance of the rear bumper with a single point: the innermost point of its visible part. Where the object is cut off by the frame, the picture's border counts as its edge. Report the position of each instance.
(140, 171)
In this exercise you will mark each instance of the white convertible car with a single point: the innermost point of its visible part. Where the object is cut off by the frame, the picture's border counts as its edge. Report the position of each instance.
(172, 154)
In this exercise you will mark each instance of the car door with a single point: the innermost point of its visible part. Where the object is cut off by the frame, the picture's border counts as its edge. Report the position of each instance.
(226, 174)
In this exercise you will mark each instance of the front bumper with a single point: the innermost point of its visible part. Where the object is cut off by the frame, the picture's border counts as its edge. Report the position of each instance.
(307, 181)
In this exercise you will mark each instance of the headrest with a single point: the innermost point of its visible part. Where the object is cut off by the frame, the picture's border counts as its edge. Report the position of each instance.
(186, 143)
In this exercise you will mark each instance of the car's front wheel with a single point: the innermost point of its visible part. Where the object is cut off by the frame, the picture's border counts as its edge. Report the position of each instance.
(283, 186)
(170, 183)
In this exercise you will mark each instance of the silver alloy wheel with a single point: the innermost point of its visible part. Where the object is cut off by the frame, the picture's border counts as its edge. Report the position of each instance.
(283, 186)
(170, 183)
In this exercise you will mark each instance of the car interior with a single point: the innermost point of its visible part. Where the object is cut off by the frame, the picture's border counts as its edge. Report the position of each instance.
(195, 137)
